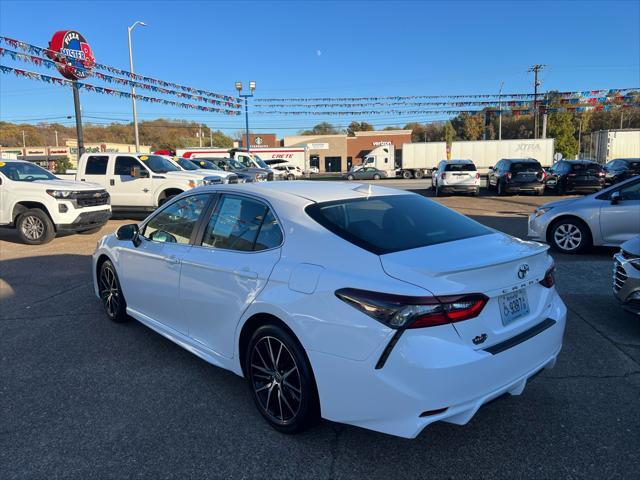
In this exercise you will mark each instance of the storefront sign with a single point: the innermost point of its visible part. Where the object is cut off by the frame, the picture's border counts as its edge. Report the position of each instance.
(318, 146)
(72, 54)
(381, 143)
(58, 152)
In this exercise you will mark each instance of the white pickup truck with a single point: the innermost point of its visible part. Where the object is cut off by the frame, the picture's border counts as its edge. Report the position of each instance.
(141, 182)
(40, 205)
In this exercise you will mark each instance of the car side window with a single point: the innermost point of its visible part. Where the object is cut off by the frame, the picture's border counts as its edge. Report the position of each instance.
(630, 192)
(175, 223)
(242, 224)
(96, 165)
(125, 164)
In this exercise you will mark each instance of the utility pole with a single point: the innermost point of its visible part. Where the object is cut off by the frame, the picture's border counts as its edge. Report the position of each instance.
(200, 134)
(500, 111)
(24, 140)
(56, 132)
(579, 138)
(133, 89)
(621, 117)
(535, 69)
(210, 137)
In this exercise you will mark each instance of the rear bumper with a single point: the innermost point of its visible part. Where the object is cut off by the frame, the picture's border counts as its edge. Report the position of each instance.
(86, 221)
(523, 187)
(460, 188)
(428, 379)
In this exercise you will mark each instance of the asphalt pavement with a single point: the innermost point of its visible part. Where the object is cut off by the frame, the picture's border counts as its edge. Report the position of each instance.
(82, 397)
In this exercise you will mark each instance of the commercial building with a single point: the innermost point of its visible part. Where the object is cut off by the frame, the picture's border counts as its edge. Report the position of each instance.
(339, 152)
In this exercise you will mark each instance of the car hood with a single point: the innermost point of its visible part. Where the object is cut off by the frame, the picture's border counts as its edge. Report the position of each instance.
(186, 175)
(562, 203)
(632, 245)
(67, 185)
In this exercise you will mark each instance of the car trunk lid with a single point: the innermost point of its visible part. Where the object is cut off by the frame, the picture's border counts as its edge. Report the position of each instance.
(488, 264)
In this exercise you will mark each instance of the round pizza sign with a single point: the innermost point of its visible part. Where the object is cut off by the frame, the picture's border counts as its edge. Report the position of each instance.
(72, 54)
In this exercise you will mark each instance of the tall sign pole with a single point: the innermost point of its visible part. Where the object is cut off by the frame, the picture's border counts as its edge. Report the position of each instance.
(74, 60)
(535, 69)
(76, 106)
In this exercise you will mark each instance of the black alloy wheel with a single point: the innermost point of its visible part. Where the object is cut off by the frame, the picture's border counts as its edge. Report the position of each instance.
(111, 295)
(281, 381)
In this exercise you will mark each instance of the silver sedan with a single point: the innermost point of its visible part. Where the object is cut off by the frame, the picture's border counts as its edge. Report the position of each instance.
(609, 217)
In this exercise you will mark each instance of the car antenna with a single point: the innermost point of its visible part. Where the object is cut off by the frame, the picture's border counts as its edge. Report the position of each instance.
(362, 188)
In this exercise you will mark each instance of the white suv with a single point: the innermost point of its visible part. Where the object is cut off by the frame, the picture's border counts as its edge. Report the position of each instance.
(455, 176)
(39, 204)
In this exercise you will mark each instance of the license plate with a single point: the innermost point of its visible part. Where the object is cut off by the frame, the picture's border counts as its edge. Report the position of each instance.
(513, 306)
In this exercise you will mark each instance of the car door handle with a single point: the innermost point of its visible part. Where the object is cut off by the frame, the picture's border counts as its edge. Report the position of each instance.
(112, 182)
(245, 272)
(172, 259)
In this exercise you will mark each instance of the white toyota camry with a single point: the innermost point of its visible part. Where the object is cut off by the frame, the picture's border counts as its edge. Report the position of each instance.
(360, 304)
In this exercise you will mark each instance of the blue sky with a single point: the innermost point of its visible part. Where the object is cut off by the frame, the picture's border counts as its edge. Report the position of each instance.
(322, 49)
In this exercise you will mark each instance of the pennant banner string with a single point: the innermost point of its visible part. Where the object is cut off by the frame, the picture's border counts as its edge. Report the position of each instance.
(33, 49)
(108, 91)
(122, 81)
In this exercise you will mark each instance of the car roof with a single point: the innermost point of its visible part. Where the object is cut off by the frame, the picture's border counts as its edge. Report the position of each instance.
(523, 160)
(296, 190)
(459, 161)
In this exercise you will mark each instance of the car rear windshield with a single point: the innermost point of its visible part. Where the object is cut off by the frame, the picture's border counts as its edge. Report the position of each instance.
(586, 167)
(393, 223)
(517, 167)
(460, 167)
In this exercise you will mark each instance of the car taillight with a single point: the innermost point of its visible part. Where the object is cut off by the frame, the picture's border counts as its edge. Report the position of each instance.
(401, 312)
(601, 174)
(542, 175)
(444, 175)
(549, 281)
(477, 175)
(508, 175)
(571, 174)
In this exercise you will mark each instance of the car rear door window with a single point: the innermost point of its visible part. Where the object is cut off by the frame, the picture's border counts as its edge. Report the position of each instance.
(394, 223)
(525, 167)
(97, 165)
(242, 224)
(176, 222)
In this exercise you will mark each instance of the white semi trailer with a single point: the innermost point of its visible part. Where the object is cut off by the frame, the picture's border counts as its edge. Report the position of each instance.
(609, 144)
(418, 159)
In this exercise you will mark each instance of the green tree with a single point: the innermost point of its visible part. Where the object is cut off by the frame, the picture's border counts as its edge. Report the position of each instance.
(448, 133)
(358, 127)
(323, 128)
(472, 126)
(560, 126)
(62, 165)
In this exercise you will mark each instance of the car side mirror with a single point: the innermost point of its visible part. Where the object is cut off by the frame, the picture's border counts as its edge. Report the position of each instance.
(491, 168)
(129, 232)
(615, 198)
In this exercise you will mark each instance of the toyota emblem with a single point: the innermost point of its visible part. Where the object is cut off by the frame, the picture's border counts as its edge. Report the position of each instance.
(523, 270)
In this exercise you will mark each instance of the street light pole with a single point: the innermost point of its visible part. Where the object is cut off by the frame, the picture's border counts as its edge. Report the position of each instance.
(500, 111)
(133, 89)
(252, 87)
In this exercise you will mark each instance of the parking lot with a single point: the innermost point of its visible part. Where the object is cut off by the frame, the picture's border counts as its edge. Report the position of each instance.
(85, 397)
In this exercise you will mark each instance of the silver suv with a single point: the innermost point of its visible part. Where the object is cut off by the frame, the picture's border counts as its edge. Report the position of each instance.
(626, 275)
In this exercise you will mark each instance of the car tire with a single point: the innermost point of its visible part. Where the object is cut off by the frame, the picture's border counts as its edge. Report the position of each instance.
(35, 227)
(418, 174)
(500, 189)
(350, 177)
(540, 192)
(110, 291)
(569, 235)
(281, 380)
(476, 192)
(561, 189)
(291, 177)
(376, 177)
(438, 192)
(406, 174)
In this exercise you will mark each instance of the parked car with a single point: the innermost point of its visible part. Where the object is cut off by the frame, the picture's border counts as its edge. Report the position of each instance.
(455, 176)
(620, 169)
(190, 166)
(339, 301)
(569, 176)
(609, 217)
(365, 173)
(314, 170)
(232, 165)
(40, 205)
(137, 181)
(289, 172)
(626, 275)
(515, 175)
